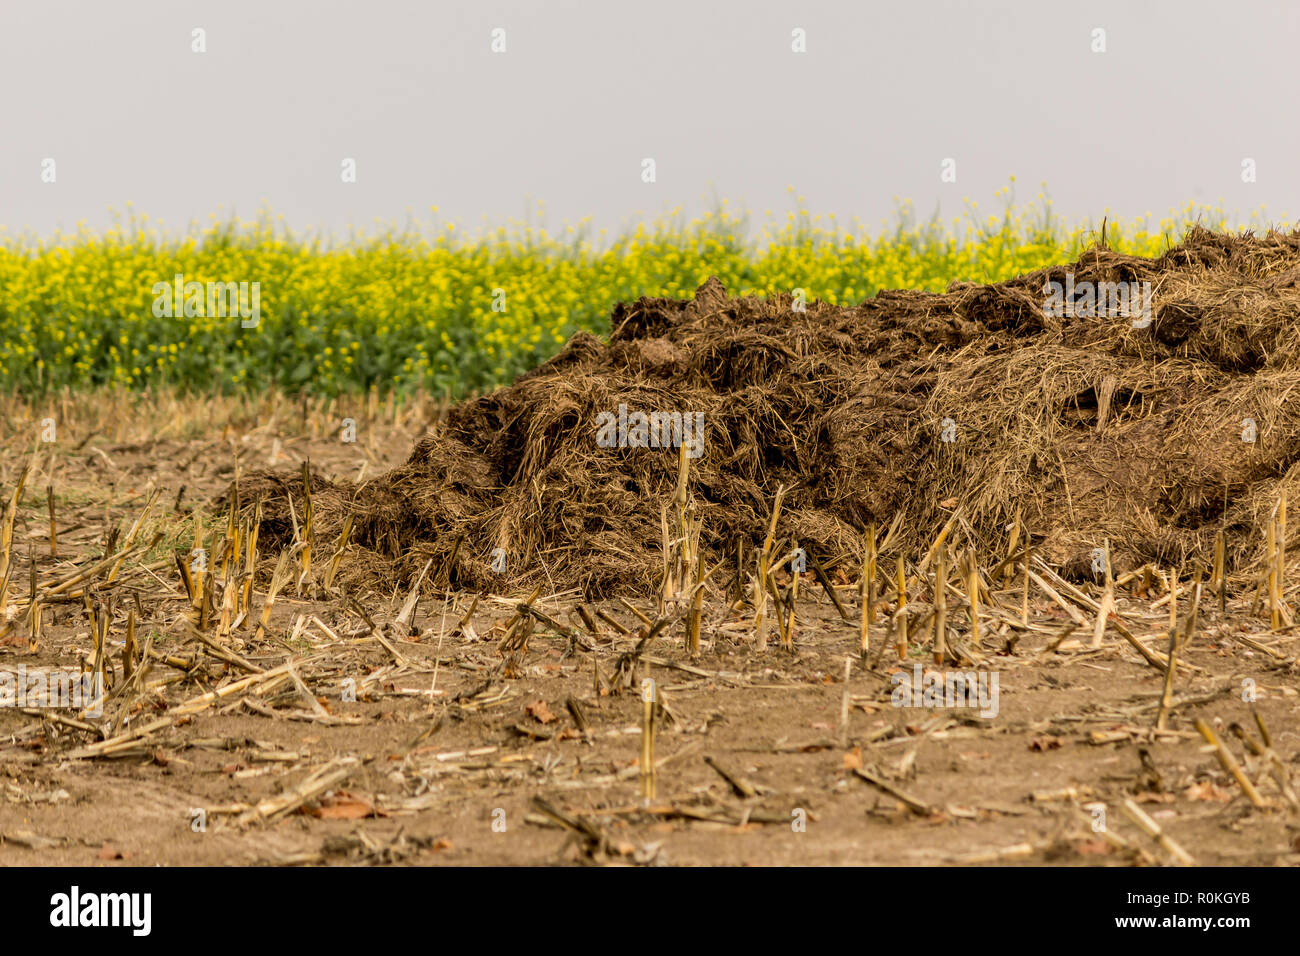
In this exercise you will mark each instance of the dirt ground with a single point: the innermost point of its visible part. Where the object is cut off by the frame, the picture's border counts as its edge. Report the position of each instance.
(456, 752)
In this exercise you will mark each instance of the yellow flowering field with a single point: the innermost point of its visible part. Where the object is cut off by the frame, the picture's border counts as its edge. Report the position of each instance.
(450, 312)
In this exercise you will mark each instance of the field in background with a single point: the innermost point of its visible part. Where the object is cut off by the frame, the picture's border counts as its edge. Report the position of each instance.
(267, 706)
(435, 309)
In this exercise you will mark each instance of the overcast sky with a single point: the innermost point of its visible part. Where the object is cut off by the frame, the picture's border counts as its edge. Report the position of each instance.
(586, 89)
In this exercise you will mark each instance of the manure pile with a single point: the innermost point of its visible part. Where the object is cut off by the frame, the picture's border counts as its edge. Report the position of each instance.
(904, 408)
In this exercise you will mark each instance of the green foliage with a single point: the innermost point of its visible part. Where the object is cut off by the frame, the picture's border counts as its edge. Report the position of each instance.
(412, 309)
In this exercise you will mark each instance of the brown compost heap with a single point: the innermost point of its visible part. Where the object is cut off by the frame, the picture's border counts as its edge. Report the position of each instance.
(1098, 427)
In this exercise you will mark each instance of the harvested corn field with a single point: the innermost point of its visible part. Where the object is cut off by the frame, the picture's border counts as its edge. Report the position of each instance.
(943, 579)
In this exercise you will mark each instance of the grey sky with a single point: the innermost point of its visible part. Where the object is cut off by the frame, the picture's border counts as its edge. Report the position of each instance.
(586, 89)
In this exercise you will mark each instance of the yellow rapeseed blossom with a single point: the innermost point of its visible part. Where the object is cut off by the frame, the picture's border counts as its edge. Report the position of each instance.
(442, 309)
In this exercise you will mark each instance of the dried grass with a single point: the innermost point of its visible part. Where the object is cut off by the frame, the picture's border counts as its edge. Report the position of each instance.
(1089, 427)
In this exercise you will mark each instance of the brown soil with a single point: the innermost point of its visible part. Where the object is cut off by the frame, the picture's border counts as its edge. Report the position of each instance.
(1073, 734)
